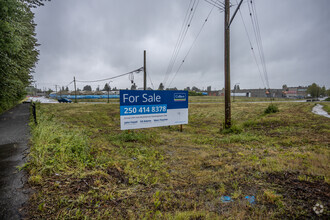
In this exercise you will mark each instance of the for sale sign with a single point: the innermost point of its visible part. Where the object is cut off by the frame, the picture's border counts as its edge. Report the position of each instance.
(147, 108)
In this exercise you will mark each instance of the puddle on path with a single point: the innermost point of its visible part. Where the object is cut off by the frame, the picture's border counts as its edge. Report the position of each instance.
(318, 109)
(12, 192)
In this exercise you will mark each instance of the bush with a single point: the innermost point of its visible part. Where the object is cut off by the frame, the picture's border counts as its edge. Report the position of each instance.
(271, 109)
(234, 129)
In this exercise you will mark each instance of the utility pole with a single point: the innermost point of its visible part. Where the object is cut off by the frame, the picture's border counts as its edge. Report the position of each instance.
(144, 70)
(228, 22)
(109, 92)
(56, 91)
(75, 90)
(227, 66)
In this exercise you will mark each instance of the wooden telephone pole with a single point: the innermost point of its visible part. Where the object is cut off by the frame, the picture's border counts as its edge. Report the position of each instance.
(75, 90)
(144, 70)
(228, 22)
(227, 66)
(56, 90)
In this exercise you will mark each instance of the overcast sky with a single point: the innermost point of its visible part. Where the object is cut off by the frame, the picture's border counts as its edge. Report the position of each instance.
(93, 40)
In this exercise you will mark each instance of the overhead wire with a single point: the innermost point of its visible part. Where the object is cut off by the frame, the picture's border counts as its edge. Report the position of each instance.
(256, 29)
(260, 39)
(215, 4)
(182, 38)
(220, 2)
(69, 83)
(251, 46)
(184, 24)
(114, 77)
(192, 45)
(151, 81)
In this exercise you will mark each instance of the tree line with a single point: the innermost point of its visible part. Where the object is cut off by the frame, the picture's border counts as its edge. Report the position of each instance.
(18, 49)
(316, 91)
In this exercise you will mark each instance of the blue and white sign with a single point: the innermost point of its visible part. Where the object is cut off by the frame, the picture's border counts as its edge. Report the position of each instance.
(148, 108)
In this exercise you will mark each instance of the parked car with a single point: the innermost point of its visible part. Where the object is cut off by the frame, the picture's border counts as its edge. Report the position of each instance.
(65, 100)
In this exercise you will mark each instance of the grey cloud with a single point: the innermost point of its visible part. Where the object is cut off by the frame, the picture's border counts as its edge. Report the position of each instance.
(99, 39)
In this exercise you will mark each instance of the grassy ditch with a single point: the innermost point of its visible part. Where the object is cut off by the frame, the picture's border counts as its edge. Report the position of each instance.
(326, 106)
(82, 166)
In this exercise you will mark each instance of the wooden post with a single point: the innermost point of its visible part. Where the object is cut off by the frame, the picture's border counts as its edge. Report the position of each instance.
(180, 128)
(34, 112)
(56, 90)
(227, 66)
(75, 90)
(145, 70)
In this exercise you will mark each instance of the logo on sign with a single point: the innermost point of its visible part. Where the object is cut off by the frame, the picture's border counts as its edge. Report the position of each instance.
(180, 97)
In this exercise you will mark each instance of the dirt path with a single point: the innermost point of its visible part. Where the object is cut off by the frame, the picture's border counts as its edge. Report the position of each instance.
(14, 134)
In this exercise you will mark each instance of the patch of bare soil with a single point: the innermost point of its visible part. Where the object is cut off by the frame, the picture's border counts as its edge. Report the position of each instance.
(302, 195)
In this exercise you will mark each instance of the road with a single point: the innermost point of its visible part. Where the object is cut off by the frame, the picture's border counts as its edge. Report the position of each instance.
(14, 135)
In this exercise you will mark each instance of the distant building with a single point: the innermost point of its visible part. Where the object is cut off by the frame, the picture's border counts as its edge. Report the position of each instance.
(213, 93)
(295, 92)
(257, 93)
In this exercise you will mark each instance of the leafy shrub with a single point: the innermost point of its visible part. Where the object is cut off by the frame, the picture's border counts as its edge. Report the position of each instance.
(271, 109)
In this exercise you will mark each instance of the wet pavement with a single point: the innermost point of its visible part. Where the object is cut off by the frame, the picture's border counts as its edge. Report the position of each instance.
(14, 134)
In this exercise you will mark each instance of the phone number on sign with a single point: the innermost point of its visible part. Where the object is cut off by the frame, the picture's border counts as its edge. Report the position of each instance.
(145, 109)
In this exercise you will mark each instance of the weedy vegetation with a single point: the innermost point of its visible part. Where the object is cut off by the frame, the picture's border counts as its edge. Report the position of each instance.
(82, 166)
(271, 109)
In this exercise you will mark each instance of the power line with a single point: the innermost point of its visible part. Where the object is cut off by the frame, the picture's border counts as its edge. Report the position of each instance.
(69, 83)
(187, 24)
(151, 81)
(251, 46)
(106, 79)
(261, 44)
(192, 45)
(216, 4)
(184, 24)
(256, 29)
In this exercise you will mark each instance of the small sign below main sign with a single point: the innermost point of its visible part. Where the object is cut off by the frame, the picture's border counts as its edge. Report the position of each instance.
(148, 108)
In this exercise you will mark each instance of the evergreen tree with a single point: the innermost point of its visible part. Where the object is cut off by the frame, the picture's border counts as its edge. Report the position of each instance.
(106, 87)
(323, 91)
(161, 86)
(87, 88)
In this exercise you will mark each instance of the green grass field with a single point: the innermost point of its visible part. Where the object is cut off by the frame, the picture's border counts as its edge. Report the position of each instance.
(82, 165)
